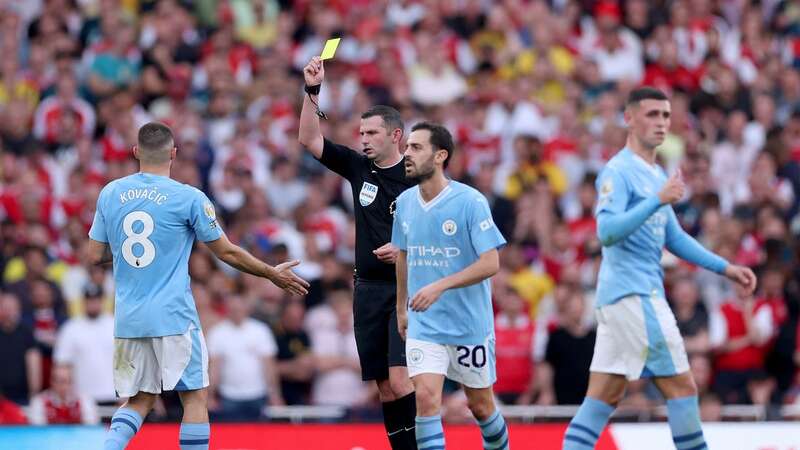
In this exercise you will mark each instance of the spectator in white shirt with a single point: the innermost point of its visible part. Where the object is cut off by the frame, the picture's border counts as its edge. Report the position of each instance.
(731, 162)
(86, 344)
(242, 364)
(333, 343)
(617, 51)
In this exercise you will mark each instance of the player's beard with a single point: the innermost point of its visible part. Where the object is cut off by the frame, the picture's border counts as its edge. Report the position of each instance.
(422, 172)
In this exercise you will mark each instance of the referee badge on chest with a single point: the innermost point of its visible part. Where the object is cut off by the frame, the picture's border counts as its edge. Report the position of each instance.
(368, 193)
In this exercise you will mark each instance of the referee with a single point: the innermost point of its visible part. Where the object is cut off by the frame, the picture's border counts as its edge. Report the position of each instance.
(377, 176)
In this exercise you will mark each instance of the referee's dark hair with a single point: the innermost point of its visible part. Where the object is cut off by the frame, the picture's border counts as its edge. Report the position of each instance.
(155, 143)
(644, 93)
(441, 139)
(391, 117)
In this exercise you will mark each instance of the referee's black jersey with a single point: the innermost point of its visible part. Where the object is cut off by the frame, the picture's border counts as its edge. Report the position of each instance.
(374, 194)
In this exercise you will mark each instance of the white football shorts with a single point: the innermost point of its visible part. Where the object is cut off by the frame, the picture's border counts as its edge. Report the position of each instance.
(638, 337)
(155, 364)
(471, 365)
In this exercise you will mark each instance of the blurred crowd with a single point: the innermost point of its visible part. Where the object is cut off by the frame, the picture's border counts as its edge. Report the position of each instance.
(533, 91)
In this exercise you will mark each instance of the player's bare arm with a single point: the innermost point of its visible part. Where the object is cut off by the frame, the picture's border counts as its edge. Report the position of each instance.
(99, 253)
(239, 258)
(485, 267)
(401, 271)
(309, 133)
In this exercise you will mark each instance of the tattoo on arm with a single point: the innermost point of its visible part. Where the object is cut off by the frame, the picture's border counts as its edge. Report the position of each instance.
(107, 256)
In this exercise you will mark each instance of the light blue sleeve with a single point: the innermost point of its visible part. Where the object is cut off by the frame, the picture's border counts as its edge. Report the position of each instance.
(483, 234)
(687, 248)
(398, 229)
(98, 230)
(203, 218)
(614, 223)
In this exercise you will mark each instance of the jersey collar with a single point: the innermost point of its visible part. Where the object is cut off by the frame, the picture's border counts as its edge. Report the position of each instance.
(428, 205)
(639, 160)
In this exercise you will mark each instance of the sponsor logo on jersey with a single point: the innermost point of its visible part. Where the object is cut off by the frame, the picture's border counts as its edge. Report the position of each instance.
(449, 227)
(368, 193)
(433, 251)
(486, 224)
(431, 256)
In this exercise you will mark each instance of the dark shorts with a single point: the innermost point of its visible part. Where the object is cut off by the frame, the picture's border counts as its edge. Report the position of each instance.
(375, 322)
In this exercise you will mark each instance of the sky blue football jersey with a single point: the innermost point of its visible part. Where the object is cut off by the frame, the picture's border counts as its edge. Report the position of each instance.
(632, 265)
(150, 222)
(440, 238)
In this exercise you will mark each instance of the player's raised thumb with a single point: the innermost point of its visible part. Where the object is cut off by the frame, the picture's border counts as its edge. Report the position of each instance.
(289, 264)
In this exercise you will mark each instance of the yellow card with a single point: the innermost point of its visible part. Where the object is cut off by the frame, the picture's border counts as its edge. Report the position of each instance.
(330, 48)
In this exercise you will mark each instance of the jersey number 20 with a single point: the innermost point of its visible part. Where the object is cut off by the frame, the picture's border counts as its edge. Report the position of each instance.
(140, 238)
(478, 356)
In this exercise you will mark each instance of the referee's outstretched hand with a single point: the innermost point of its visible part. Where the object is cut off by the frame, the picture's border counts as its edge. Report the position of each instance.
(287, 280)
(314, 72)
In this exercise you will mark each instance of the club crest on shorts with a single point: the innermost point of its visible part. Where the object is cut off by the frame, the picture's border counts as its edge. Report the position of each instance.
(415, 356)
(368, 193)
(449, 227)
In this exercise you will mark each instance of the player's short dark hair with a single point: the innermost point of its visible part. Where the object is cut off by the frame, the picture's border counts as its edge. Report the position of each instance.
(391, 117)
(155, 142)
(441, 139)
(645, 93)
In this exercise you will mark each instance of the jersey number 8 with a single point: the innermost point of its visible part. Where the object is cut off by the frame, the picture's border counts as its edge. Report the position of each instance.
(140, 238)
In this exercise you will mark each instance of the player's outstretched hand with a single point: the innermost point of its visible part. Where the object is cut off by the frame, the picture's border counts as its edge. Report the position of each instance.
(425, 297)
(387, 253)
(402, 323)
(742, 275)
(314, 72)
(673, 189)
(287, 280)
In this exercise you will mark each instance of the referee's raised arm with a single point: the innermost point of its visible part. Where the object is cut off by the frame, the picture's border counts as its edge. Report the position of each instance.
(309, 134)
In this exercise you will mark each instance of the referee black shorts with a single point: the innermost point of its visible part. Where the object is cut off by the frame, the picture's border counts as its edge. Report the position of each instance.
(375, 322)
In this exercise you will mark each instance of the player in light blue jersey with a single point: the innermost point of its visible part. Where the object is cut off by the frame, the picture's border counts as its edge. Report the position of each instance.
(448, 251)
(146, 224)
(637, 335)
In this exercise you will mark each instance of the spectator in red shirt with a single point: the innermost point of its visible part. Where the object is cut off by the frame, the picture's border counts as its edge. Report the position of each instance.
(739, 332)
(514, 334)
(48, 114)
(61, 404)
(667, 73)
(582, 229)
(44, 319)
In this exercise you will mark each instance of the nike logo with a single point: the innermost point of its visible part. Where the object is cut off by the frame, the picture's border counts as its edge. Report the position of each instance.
(401, 430)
